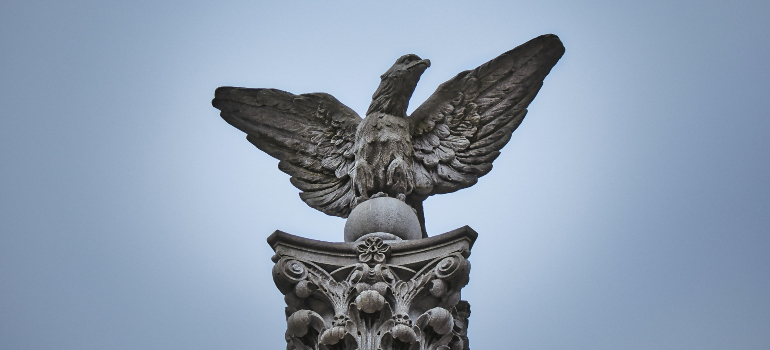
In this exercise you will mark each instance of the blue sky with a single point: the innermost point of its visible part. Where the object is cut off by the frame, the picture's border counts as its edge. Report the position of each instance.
(629, 211)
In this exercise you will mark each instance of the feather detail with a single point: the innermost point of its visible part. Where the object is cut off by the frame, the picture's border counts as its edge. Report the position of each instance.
(312, 135)
(474, 114)
(455, 135)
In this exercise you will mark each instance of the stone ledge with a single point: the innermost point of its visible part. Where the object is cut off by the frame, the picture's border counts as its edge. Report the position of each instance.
(408, 253)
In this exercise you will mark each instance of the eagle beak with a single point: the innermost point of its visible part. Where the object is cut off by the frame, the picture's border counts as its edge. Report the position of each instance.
(426, 62)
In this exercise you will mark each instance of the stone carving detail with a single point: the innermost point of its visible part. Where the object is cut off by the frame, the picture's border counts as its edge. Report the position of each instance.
(403, 293)
(372, 249)
(372, 304)
(339, 160)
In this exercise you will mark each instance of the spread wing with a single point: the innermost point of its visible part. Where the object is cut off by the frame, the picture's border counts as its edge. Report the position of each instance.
(460, 129)
(311, 134)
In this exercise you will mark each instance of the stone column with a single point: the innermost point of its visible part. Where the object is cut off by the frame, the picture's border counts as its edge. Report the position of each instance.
(379, 292)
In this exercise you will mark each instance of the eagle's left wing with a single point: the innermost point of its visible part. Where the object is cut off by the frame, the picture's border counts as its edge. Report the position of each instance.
(460, 129)
(311, 134)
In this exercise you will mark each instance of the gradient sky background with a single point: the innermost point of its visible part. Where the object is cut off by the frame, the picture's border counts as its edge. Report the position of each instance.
(631, 210)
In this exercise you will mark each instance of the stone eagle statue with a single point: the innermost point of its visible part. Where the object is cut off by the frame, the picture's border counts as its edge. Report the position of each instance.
(339, 160)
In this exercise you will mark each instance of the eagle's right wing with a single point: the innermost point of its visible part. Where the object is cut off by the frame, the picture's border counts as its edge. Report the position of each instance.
(311, 134)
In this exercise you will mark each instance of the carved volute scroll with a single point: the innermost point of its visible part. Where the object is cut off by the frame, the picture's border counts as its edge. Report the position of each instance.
(353, 296)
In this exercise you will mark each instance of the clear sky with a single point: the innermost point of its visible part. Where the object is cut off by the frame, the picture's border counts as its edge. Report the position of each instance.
(631, 209)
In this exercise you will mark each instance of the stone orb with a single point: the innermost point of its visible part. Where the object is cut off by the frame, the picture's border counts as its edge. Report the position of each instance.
(382, 214)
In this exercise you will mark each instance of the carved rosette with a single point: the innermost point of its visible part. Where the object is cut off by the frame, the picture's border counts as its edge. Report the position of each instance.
(371, 303)
(373, 249)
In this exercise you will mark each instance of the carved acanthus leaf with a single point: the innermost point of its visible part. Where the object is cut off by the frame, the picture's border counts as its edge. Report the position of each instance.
(370, 308)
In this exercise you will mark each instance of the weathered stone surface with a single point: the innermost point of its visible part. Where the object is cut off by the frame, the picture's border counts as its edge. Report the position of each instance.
(383, 214)
(339, 160)
(372, 294)
(385, 288)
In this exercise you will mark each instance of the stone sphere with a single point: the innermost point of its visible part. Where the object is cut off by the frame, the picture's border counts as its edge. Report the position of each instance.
(382, 214)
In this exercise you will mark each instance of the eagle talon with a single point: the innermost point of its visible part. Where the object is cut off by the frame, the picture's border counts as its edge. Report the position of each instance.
(358, 201)
(379, 194)
(401, 197)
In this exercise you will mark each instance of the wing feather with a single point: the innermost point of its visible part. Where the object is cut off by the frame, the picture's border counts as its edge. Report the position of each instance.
(460, 129)
(311, 134)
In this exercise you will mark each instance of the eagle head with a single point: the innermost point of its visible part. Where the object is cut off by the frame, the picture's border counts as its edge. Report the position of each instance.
(397, 85)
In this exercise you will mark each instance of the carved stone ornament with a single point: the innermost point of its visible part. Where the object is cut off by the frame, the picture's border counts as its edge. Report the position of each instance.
(339, 160)
(374, 294)
(372, 248)
(388, 286)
